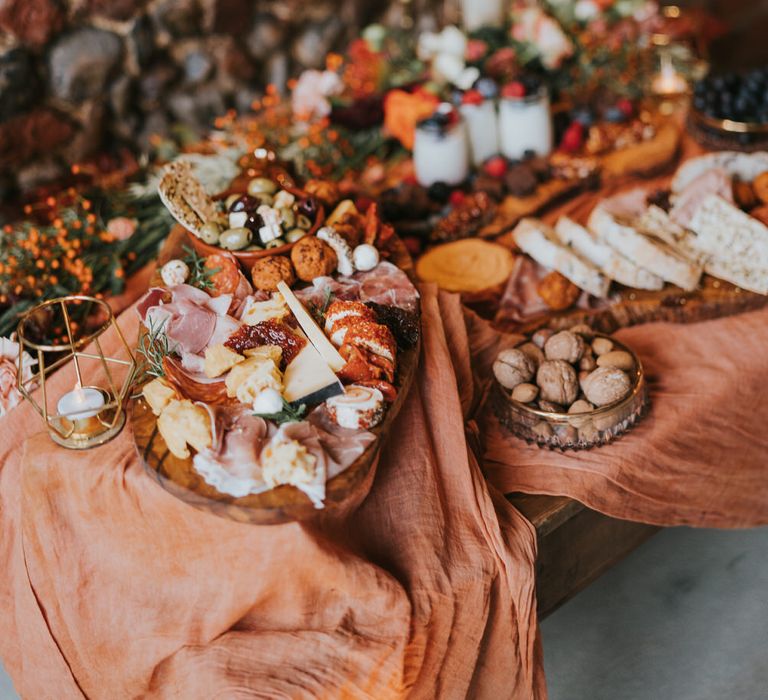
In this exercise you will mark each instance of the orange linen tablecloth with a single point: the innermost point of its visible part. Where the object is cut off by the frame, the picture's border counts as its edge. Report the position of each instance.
(112, 588)
(700, 457)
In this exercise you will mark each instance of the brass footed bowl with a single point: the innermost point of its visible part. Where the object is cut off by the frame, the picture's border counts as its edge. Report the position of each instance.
(574, 431)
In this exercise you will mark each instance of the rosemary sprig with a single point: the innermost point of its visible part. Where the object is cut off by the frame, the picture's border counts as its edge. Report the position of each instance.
(200, 276)
(319, 311)
(153, 347)
(289, 414)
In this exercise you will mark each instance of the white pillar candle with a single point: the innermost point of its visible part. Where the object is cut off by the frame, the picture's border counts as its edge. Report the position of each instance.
(81, 403)
(482, 13)
(441, 149)
(525, 124)
(482, 128)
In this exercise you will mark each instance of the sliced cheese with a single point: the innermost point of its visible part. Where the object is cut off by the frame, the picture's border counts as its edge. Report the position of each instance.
(729, 235)
(538, 240)
(315, 334)
(308, 379)
(605, 258)
(655, 256)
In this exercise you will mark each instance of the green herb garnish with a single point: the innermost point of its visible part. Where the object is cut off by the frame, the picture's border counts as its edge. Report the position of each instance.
(154, 346)
(319, 311)
(289, 414)
(200, 276)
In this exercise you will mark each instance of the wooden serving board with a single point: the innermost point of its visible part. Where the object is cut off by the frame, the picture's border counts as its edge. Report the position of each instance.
(283, 504)
(627, 307)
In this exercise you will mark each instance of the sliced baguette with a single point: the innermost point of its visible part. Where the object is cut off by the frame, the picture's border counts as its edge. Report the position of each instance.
(656, 223)
(655, 256)
(605, 258)
(538, 240)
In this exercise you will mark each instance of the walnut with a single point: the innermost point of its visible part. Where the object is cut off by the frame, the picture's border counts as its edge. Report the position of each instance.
(557, 382)
(606, 385)
(533, 351)
(557, 291)
(513, 367)
(564, 346)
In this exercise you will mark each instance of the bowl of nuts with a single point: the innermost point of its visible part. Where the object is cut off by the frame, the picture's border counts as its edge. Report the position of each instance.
(571, 389)
(268, 219)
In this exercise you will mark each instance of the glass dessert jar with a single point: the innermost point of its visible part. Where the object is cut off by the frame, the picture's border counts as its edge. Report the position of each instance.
(525, 124)
(441, 148)
(482, 127)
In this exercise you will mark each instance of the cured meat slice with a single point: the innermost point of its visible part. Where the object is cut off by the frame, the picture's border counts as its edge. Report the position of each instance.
(208, 392)
(364, 365)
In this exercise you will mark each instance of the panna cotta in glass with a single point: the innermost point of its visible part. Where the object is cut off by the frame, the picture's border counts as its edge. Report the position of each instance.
(441, 148)
(482, 126)
(525, 121)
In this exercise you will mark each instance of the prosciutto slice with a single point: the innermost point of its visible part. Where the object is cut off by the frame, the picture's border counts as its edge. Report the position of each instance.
(714, 181)
(386, 284)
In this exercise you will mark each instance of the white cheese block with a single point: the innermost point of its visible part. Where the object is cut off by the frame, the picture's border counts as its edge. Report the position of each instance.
(745, 166)
(610, 263)
(752, 279)
(657, 257)
(726, 233)
(655, 222)
(308, 379)
(540, 242)
(315, 334)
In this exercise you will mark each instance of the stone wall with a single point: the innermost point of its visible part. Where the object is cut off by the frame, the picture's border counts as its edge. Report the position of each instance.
(80, 75)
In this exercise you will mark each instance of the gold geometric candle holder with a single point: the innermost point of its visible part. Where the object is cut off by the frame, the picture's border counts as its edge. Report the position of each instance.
(92, 411)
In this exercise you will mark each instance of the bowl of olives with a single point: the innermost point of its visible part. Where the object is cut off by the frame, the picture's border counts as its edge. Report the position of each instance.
(267, 219)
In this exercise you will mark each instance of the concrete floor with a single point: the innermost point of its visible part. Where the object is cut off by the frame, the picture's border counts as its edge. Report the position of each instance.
(685, 617)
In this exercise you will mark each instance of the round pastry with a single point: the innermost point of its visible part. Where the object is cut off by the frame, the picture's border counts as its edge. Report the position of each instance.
(267, 272)
(469, 265)
(557, 291)
(358, 408)
(312, 258)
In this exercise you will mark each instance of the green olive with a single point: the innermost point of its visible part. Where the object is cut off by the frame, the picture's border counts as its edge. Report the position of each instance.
(210, 232)
(274, 243)
(264, 198)
(253, 247)
(231, 200)
(288, 217)
(294, 235)
(303, 222)
(261, 185)
(235, 238)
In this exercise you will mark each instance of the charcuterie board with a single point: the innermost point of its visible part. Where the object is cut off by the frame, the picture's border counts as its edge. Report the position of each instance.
(283, 503)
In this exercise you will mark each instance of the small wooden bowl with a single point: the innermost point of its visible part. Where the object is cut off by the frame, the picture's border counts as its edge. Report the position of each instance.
(574, 431)
(248, 258)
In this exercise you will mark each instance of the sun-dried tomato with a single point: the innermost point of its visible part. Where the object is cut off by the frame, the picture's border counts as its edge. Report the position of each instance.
(267, 333)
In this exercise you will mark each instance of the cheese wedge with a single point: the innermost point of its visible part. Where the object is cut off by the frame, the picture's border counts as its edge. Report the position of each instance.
(655, 256)
(308, 379)
(315, 334)
(602, 256)
(538, 240)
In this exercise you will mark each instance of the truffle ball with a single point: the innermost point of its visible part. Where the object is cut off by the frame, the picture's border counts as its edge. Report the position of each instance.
(312, 258)
(267, 272)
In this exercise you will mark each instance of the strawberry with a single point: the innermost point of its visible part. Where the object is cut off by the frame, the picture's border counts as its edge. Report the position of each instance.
(513, 89)
(573, 138)
(472, 97)
(496, 167)
(456, 198)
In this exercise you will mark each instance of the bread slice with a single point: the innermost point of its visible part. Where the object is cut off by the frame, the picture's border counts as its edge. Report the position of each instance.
(539, 240)
(606, 259)
(656, 223)
(655, 256)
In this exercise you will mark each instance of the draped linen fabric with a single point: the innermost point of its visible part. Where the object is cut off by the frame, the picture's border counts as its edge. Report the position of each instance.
(110, 587)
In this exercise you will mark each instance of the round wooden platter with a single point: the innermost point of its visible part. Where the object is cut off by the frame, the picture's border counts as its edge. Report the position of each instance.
(343, 493)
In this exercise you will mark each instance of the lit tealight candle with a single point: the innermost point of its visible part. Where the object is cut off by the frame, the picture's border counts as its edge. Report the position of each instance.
(81, 403)
(668, 81)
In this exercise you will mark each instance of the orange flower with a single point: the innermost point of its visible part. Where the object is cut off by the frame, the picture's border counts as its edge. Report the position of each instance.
(403, 110)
